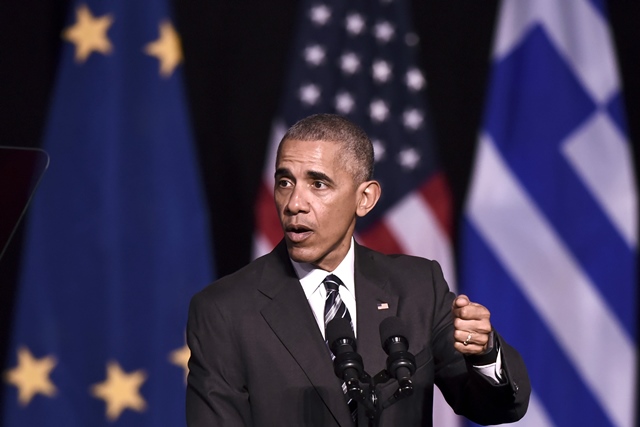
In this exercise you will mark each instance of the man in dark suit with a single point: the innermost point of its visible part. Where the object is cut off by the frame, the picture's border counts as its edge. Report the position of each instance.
(258, 353)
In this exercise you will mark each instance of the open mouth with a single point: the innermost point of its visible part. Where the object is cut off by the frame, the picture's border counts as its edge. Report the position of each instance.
(297, 233)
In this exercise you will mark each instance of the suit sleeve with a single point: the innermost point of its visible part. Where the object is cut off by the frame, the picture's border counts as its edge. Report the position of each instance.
(467, 391)
(216, 395)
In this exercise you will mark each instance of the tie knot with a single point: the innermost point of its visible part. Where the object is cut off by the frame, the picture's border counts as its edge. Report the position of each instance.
(332, 282)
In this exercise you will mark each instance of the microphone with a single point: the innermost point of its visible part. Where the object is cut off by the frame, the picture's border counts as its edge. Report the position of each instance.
(401, 364)
(347, 364)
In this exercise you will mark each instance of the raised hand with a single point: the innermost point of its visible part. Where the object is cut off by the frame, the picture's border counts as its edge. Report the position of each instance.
(471, 324)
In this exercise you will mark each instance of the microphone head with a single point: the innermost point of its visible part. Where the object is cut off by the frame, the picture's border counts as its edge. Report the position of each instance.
(391, 327)
(339, 328)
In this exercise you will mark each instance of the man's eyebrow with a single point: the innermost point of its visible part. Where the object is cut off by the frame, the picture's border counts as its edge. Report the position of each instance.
(314, 175)
(320, 176)
(282, 172)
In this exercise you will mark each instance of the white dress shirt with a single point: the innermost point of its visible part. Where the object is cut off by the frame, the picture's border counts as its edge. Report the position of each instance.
(311, 280)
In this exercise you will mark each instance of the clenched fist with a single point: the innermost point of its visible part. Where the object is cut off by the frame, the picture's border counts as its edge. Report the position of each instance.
(471, 326)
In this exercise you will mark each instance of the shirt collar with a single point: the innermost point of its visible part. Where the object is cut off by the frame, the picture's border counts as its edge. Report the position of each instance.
(311, 277)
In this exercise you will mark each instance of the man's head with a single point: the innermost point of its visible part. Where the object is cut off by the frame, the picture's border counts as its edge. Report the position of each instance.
(355, 146)
(323, 182)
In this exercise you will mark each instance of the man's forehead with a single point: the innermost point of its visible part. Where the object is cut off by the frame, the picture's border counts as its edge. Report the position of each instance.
(311, 159)
(309, 142)
(310, 150)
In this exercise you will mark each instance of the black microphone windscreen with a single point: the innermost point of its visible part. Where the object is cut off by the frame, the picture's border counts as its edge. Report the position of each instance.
(391, 327)
(339, 328)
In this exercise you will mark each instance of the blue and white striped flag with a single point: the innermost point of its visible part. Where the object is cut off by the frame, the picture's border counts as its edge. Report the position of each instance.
(550, 230)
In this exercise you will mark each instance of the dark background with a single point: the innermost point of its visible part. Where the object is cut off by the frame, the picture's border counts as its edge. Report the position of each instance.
(236, 55)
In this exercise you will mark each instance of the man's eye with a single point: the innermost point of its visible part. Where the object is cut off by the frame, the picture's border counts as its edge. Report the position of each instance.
(284, 183)
(318, 184)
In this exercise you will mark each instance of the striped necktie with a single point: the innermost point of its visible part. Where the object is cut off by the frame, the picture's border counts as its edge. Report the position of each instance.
(335, 307)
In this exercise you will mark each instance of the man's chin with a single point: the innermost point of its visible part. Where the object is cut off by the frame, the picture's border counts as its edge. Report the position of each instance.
(299, 254)
(308, 256)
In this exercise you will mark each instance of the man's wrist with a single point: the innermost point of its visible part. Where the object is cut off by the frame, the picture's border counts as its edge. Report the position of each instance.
(488, 356)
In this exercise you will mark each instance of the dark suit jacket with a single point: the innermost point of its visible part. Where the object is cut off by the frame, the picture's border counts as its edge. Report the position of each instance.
(258, 358)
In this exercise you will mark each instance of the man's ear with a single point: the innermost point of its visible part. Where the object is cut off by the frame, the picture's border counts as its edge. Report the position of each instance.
(368, 195)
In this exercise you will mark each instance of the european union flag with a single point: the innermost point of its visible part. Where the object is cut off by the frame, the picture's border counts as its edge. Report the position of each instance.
(117, 238)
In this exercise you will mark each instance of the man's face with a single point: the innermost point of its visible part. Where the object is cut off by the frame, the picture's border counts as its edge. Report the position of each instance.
(316, 199)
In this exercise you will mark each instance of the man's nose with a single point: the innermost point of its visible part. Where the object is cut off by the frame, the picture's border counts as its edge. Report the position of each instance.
(298, 201)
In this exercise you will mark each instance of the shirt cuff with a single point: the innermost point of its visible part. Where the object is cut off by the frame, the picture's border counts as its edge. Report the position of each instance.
(491, 370)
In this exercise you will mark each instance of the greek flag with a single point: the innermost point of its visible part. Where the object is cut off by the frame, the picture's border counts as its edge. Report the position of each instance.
(550, 226)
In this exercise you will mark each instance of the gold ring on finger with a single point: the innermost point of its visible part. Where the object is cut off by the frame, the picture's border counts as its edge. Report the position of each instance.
(466, 342)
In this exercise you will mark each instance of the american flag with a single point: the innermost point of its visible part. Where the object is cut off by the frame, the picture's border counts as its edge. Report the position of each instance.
(551, 221)
(359, 59)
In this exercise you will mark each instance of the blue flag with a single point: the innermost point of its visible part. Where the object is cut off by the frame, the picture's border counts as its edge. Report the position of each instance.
(117, 238)
(550, 232)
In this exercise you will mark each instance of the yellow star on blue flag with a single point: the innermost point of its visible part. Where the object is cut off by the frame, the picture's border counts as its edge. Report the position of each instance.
(116, 238)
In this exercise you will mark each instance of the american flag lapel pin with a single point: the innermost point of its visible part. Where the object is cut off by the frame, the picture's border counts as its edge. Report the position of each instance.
(383, 306)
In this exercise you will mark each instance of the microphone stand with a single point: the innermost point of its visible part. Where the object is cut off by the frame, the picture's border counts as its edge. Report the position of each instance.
(348, 366)
(371, 402)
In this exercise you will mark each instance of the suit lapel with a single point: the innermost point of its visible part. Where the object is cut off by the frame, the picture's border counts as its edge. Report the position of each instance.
(290, 317)
(375, 300)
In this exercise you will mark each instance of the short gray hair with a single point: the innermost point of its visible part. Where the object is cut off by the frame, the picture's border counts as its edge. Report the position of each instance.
(355, 143)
